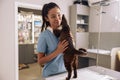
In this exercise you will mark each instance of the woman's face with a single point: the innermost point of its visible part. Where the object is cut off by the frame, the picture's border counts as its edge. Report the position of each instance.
(54, 17)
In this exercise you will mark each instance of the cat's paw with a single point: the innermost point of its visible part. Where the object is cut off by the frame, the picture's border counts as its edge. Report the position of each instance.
(74, 76)
(67, 78)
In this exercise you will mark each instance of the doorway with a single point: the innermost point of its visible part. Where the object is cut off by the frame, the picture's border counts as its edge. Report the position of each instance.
(27, 28)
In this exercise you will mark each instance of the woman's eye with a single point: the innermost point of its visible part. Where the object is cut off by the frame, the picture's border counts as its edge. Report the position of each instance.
(53, 16)
(59, 15)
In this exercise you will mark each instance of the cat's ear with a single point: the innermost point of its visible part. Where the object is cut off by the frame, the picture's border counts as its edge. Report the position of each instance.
(64, 21)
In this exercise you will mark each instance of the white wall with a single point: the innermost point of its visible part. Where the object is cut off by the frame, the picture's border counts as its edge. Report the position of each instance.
(7, 33)
(7, 40)
(109, 23)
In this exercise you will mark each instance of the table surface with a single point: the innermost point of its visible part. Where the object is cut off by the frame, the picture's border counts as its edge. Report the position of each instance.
(90, 73)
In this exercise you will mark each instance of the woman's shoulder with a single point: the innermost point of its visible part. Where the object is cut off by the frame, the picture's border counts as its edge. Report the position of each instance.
(44, 33)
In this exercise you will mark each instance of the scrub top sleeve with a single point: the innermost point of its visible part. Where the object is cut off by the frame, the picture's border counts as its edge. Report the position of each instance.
(41, 46)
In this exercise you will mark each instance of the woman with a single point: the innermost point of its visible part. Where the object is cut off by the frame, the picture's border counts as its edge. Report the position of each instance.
(50, 50)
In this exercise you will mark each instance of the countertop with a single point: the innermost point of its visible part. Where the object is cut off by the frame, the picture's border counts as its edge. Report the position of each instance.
(99, 51)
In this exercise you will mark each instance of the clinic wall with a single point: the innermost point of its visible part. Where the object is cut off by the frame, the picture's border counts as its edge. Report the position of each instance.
(109, 29)
(109, 23)
(108, 40)
(7, 33)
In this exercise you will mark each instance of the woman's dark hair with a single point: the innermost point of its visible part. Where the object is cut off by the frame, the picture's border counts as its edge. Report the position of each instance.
(45, 11)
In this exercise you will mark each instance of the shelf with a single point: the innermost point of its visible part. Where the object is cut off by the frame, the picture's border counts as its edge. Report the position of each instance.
(29, 28)
(86, 24)
(79, 22)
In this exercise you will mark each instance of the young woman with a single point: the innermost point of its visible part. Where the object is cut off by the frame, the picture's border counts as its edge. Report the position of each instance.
(50, 50)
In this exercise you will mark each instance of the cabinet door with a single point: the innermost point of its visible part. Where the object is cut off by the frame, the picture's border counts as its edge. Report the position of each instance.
(82, 40)
(29, 53)
(26, 53)
(83, 62)
(83, 10)
(21, 54)
(104, 60)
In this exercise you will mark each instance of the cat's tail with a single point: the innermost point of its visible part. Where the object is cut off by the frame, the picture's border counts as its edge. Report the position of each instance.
(81, 52)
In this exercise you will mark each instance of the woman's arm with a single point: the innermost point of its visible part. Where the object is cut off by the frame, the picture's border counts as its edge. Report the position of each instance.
(42, 59)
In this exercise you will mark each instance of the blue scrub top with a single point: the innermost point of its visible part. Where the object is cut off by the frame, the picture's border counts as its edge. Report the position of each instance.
(47, 43)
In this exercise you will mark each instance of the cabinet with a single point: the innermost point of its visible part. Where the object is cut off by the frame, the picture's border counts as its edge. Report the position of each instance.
(25, 28)
(29, 26)
(26, 53)
(37, 29)
(99, 57)
(79, 23)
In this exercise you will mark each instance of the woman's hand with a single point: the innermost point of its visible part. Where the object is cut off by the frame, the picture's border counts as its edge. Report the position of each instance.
(62, 46)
